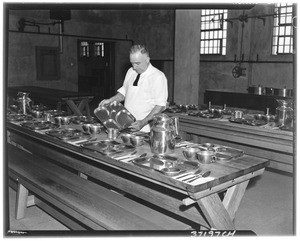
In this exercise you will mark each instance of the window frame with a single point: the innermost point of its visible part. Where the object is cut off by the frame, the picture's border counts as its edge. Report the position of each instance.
(217, 44)
(279, 39)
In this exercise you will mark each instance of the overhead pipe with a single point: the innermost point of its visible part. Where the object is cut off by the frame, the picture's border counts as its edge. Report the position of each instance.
(73, 35)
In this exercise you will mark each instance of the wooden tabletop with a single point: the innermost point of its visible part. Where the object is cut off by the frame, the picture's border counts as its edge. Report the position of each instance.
(221, 172)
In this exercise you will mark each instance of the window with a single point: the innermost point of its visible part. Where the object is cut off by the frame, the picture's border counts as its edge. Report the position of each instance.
(283, 29)
(213, 31)
(91, 49)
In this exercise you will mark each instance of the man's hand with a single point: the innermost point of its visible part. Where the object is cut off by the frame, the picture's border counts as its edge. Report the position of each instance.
(104, 102)
(136, 126)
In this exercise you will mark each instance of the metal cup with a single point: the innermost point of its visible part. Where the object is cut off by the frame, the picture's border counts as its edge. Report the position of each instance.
(47, 116)
(112, 133)
(238, 114)
(206, 157)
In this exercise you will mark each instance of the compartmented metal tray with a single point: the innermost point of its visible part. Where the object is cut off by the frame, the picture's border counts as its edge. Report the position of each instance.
(83, 119)
(167, 166)
(251, 122)
(222, 153)
(107, 147)
(68, 134)
(39, 125)
(114, 115)
(18, 117)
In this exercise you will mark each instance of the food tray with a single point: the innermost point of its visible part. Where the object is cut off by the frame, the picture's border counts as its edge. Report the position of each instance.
(251, 122)
(39, 125)
(19, 117)
(222, 153)
(83, 119)
(114, 115)
(167, 167)
(68, 134)
(107, 147)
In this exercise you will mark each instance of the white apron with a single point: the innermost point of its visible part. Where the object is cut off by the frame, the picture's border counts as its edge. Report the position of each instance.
(137, 103)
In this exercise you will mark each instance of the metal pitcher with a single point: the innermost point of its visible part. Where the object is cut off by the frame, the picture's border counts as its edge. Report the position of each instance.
(285, 113)
(163, 134)
(24, 101)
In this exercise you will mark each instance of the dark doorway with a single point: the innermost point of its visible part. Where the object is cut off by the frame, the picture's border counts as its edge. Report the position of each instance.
(96, 68)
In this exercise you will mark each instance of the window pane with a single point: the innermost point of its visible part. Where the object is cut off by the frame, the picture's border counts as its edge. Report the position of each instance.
(213, 28)
(282, 41)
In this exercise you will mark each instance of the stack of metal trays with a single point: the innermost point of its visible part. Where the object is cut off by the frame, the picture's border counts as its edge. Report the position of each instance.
(114, 115)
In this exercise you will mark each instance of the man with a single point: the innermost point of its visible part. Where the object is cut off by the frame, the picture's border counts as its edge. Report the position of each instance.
(144, 90)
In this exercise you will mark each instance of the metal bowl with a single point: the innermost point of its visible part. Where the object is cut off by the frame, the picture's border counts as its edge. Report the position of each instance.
(259, 116)
(37, 113)
(126, 138)
(136, 140)
(65, 120)
(269, 118)
(57, 120)
(86, 127)
(95, 128)
(190, 153)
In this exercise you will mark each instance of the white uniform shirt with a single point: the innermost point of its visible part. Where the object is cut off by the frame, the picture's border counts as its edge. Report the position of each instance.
(152, 89)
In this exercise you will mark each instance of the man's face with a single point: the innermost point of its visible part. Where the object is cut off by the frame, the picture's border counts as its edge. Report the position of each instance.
(139, 62)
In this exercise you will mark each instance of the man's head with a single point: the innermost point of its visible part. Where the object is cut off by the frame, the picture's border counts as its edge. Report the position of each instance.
(139, 58)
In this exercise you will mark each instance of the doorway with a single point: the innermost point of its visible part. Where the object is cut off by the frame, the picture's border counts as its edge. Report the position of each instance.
(96, 68)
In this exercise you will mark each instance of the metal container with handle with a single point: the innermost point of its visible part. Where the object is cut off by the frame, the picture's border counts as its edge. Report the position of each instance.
(163, 134)
(285, 113)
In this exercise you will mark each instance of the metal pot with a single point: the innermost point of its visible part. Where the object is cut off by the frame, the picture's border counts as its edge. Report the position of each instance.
(283, 92)
(163, 134)
(269, 91)
(257, 90)
(285, 114)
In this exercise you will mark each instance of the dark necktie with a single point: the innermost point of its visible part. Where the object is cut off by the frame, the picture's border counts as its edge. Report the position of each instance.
(136, 80)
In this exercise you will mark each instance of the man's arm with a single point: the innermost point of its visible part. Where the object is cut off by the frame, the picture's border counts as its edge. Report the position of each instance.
(117, 97)
(141, 123)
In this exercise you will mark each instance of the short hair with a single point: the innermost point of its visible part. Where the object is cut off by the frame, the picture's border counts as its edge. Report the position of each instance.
(139, 48)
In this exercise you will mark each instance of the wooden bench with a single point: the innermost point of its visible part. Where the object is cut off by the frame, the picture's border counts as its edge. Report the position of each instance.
(78, 203)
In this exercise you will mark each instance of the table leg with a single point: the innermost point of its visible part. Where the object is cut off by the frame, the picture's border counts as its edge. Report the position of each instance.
(233, 198)
(73, 107)
(84, 104)
(215, 212)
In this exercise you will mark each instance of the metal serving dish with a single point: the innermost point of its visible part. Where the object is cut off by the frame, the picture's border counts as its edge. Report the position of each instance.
(114, 115)
(107, 147)
(83, 119)
(251, 122)
(68, 134)
(18, 117)
(165, 165)
(227, 153)
(39, 125)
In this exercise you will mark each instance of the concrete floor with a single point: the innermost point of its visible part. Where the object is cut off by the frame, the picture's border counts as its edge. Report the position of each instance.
(267, 209)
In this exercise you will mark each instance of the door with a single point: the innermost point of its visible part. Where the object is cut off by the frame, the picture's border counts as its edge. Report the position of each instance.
(96, 68)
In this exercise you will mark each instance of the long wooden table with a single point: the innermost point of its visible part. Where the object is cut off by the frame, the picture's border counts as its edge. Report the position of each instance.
(76, 103)
(198, 202)
(274, 145)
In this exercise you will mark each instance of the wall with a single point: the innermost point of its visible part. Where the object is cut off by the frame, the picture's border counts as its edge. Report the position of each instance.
(186, 62)
(151, 27)
(156, 28)
(261, 67)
